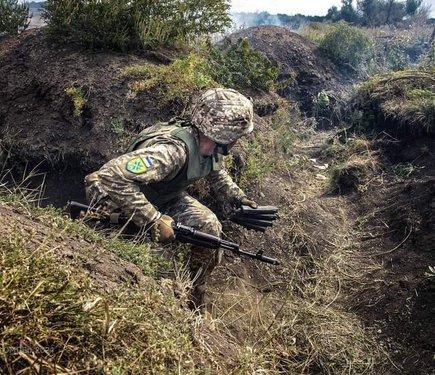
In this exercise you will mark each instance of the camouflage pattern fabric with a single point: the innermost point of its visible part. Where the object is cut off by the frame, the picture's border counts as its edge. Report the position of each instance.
(223, 115)
(117, 183)
(116, 188)
(190, 212)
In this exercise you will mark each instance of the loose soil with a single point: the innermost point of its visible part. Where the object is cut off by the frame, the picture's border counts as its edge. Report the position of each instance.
(305, 71)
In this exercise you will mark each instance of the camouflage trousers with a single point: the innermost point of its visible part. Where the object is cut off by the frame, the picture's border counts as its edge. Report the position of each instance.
(188, 211)
(185, 210)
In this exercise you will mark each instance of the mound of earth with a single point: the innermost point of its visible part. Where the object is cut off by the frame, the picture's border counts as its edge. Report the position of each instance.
(106, 269)
(305, 71)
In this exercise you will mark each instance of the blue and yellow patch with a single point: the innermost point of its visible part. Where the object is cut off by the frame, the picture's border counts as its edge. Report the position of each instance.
(139, 165)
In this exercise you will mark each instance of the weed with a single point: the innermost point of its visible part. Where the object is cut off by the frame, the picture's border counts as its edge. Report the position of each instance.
(116, 126)
(174, 82)
(269, 151)
(78, 99)
(258, 163)
(404, 171)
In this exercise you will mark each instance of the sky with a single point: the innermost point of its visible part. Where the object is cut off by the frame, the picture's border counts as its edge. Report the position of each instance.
(307, 7)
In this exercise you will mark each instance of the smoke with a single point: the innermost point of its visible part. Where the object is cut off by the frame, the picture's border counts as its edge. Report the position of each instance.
(244, 20)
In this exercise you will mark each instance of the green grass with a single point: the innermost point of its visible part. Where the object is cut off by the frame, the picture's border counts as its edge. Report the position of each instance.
(174, 82)
(78, 99)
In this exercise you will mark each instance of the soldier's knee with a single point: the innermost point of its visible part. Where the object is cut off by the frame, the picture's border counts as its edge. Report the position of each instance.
(211, 225)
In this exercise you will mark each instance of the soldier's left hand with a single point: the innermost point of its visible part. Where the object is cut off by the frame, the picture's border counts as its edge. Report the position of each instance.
(248, 202)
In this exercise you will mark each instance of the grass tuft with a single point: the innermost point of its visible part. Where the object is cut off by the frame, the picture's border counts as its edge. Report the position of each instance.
(78, 99)
(400, 101)
(174, 82)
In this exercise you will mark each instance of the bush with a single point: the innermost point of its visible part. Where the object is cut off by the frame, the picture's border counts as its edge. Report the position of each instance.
(126, 24)
(13, 17)
(347, 45)
(237, 65)
(78, 100)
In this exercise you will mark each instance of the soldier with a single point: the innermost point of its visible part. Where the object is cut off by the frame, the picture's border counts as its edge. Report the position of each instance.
(149, 182)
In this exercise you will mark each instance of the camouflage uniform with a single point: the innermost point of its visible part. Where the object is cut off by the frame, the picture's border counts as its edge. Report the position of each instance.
(151, 178)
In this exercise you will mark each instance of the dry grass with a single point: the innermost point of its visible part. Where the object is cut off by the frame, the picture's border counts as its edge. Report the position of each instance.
(352, 175)
(298, 324)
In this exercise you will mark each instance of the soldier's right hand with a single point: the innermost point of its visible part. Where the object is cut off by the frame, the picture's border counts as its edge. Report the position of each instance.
(161, 230)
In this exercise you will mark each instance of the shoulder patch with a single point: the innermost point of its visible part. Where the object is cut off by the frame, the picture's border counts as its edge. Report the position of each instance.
(139, 165)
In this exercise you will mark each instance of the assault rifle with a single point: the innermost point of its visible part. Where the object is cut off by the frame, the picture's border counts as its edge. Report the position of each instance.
(183, 234)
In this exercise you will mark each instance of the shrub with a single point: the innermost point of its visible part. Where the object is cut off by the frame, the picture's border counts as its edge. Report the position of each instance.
(125, 24)
(174, 82)
(347, 45)
(13, 17)
(237, 65)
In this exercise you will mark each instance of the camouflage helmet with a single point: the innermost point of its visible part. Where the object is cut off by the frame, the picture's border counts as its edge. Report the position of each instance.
(223, 115)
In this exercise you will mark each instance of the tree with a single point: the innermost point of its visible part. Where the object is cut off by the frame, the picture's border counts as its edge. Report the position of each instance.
(14, 17)
(368, 10)
(333, 14)
(395, 12)
(412, 6)
(348, 12)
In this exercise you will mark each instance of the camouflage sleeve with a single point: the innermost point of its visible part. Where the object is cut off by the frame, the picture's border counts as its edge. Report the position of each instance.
(223, 186)
(121, 177)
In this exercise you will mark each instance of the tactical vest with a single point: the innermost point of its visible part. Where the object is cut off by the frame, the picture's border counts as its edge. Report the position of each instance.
(196, 166)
